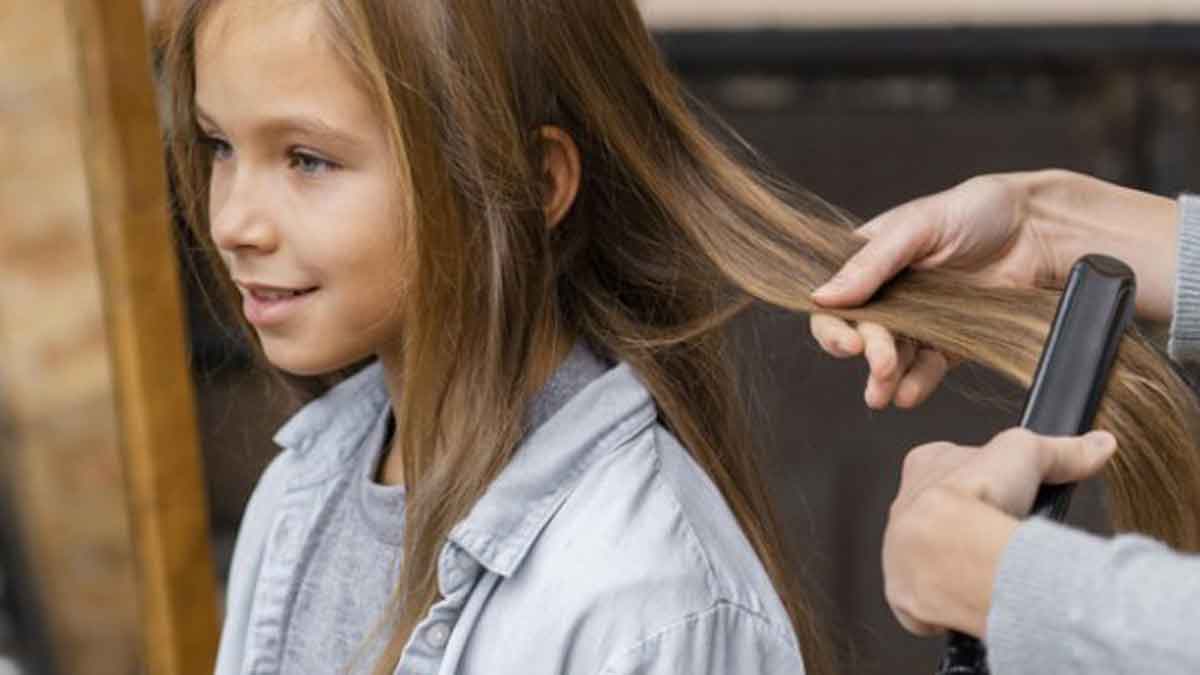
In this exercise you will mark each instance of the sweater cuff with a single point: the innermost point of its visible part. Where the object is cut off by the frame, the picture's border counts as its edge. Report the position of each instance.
(1044, 570)
(1184, 344)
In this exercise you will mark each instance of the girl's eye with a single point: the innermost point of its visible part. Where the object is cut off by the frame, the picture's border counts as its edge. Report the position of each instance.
(221, 150)
(310, 164)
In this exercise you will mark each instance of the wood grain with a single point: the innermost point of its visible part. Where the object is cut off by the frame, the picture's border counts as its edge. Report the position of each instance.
(143, 305)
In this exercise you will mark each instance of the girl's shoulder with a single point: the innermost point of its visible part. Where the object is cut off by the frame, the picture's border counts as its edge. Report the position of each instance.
(652, 514)
(625, 542)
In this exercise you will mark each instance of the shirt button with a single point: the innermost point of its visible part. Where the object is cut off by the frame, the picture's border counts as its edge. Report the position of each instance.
(437, 635)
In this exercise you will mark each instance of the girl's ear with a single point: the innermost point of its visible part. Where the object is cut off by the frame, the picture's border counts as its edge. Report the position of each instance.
(561, 169)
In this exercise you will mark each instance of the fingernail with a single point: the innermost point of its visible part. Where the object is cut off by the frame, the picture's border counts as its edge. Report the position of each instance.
(1100, 442)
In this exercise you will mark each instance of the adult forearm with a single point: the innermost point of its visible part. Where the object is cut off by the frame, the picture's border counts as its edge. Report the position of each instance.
(1071, 603)
(1076, 215)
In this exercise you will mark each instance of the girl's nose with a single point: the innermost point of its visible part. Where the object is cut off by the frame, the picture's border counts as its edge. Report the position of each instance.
(240, 217)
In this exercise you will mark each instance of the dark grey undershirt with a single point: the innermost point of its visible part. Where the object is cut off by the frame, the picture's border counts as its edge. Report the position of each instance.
(348, 577)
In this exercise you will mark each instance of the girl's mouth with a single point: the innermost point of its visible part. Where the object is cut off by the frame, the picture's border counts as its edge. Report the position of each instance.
(271, 295)
(265, 306)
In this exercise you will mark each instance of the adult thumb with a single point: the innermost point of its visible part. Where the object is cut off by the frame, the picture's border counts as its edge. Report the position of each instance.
(1073, 459)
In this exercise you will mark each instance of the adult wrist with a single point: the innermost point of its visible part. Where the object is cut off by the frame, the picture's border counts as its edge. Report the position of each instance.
(1074, 215)
(1052, 206)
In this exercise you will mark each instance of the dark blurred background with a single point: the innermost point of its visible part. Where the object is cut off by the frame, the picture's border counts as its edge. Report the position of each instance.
(865, 117)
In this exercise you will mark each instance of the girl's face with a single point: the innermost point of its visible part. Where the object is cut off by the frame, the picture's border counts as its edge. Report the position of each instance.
(303, 204)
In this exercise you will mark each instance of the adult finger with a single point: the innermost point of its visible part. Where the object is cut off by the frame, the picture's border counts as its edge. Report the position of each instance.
(880, 348)
(914, 213)
(881, 390)
(914, 626)
(883, 357)
(836, 336)
(1054, 459)
(928, 370)
(1007, 471)
(1069, 459)
(927, 464)
(895, 246)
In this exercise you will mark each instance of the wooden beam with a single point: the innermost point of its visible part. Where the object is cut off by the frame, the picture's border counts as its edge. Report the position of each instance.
(123, 154)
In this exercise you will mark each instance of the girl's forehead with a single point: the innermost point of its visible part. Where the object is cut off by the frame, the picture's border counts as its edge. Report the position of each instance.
(244, 25)
(272, 58)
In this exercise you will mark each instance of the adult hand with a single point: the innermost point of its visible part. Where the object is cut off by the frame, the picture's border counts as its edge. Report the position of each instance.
(955, 511)
(977, 226)
(1015, 230)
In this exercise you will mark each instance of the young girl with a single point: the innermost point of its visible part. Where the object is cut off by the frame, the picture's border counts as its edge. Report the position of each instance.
(414, 182)
(508, 209)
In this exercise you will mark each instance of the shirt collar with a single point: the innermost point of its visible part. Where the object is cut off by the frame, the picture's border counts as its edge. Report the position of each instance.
(547, 465)
(342, 416)
(501, 527)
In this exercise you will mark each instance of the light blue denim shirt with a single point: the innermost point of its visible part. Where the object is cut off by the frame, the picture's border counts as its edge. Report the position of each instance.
(601, 548)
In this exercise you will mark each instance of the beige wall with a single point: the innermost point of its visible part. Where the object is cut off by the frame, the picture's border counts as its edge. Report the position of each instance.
(799, 13)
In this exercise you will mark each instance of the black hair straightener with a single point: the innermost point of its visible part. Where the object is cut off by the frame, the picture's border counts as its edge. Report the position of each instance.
(1092, 316)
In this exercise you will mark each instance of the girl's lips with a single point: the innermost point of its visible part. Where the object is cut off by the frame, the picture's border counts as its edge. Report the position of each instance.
(265, 306)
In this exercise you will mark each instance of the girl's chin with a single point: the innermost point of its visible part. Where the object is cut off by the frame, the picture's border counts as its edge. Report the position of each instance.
(305, 363)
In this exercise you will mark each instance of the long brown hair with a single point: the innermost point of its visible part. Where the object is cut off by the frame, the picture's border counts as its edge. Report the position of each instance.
(671, 236)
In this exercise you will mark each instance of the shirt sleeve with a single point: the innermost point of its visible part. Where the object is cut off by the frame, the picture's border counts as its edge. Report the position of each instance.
(1071, 603)
(725, 638)
(1184, 344)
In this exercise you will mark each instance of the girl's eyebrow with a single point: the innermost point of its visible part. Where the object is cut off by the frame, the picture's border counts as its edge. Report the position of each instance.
(275, 127)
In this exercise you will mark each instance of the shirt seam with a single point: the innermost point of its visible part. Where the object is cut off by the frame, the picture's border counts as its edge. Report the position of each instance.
(761, 624)
(710, 576)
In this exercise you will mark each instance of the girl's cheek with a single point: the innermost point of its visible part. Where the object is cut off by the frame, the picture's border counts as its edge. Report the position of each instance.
(218, 186)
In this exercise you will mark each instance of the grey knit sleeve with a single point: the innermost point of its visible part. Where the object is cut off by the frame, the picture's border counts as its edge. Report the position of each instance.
(1184, 345)
(1071, 603)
